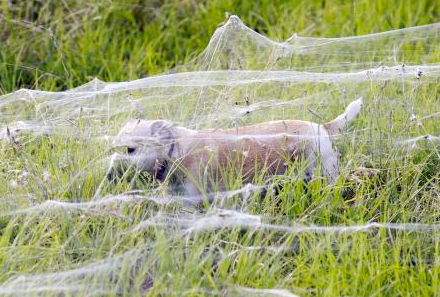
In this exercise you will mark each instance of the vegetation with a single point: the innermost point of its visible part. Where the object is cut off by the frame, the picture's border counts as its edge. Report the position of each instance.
(138, 247)
(56, 45)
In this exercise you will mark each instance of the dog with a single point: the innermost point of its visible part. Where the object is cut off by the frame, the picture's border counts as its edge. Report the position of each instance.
(197, 161)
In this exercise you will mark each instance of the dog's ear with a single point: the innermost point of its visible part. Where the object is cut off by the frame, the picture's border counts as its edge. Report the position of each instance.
(162, 129)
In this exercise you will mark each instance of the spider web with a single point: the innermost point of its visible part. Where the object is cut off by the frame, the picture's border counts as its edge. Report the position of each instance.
(241, 78)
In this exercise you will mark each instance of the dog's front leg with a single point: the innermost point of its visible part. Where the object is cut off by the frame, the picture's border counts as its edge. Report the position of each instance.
(310, 169)
(191, 188)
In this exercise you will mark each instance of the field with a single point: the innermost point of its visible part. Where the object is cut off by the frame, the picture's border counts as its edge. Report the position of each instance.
(65, 230)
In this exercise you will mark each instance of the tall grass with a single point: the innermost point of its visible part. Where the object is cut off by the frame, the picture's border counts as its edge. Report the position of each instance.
(55, 45)
(126, 248)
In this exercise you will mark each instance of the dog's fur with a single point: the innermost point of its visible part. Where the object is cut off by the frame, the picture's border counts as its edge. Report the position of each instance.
(199, 159)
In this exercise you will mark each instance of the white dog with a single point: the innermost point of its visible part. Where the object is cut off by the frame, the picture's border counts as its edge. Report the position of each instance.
(196, 161)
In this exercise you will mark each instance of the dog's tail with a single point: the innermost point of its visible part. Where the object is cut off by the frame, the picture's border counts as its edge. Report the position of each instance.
(335, 126)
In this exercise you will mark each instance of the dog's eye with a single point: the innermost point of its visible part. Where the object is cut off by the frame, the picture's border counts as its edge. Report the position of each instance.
(130, 150)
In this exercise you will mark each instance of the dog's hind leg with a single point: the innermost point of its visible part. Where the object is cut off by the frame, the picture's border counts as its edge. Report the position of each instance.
(330, 167)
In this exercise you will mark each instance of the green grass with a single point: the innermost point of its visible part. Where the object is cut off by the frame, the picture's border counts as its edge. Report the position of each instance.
(57, 45)
(50, 45)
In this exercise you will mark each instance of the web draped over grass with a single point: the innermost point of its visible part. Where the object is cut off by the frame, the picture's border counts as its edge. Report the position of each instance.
(66, 230)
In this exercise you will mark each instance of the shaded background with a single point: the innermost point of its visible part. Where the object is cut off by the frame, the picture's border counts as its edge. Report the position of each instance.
(59, 44)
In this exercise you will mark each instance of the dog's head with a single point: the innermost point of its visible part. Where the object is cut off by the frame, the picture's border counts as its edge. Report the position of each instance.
(148, 147)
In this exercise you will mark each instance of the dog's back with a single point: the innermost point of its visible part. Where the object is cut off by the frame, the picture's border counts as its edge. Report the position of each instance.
(270, 145)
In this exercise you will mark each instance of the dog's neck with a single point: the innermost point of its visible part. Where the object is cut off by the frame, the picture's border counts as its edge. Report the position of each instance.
(181, 138)
(171, 149)
(163, 168)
